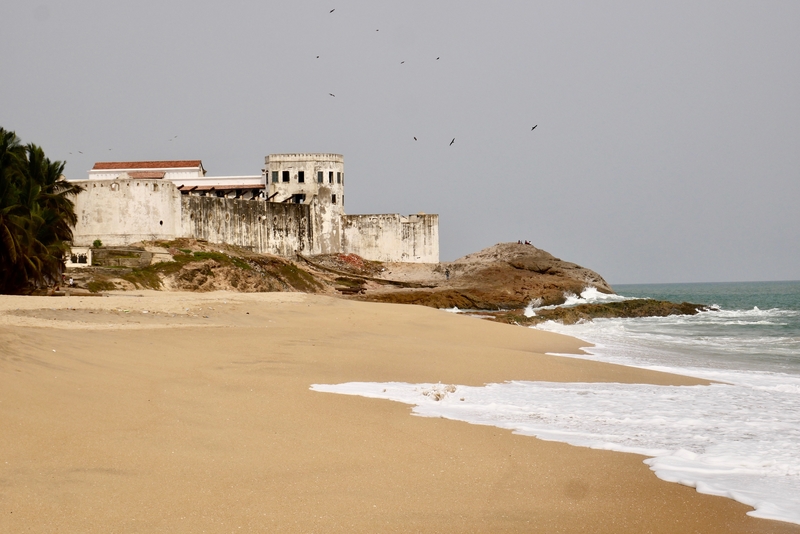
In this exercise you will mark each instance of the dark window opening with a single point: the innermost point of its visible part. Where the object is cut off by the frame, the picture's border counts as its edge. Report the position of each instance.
(161, 223)
(298, 198)
(301, 177)
(338, 177)
(274, 177)
(333, 199)
(342, 178)
(320, 177)
(285, 176)
(330, 177)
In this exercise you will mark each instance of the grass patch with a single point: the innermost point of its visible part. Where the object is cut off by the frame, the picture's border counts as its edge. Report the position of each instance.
(150, 277)
(298, 278)
(96, 286)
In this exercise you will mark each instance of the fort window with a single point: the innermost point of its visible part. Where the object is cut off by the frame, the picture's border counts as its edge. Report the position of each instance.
(301, 177)
(274, 177)
(320, 177)
(161, 223)
(298, 198)
(285, 176)
(330, 177)
(338, 177)
(342, 178)
(333, 199)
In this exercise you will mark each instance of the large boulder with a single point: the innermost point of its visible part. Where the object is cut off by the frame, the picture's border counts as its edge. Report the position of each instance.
(504, 276)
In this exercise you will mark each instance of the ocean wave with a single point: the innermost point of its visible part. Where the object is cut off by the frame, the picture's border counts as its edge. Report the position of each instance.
(590, 295)
(694, 434)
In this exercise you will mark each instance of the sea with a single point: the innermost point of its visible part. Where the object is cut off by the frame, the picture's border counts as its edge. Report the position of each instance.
(738, 437)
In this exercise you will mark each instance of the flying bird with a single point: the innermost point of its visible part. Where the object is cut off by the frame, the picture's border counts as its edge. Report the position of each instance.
(437, 59)
(317, 57)
(532, 129)
(415, 139)
(453, 141)
(332, 10)
(333, 95)
(79, 152)
(402, 62)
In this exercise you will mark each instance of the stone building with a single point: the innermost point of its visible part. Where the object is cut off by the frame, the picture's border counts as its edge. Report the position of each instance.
(296, 205)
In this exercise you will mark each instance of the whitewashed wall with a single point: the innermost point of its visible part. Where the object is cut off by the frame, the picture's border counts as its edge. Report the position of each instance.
(262, 227)
(392, 237)
(120, 212)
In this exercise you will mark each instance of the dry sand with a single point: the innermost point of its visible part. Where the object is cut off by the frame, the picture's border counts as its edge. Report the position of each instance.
(116, 420)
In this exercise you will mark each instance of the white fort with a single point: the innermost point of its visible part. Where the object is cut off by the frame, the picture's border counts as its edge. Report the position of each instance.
(296, 205)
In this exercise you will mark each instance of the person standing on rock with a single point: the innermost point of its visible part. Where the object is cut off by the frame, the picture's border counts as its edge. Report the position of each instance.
(447, 274)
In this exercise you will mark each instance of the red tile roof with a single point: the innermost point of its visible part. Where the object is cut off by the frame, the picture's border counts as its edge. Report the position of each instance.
(121, 165)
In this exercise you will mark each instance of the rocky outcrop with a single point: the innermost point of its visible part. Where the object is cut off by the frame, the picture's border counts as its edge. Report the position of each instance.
(607, 310)
(500, 281)
(504, 276)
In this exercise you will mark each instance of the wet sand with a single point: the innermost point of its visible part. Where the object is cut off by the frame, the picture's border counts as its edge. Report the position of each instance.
(197, 416)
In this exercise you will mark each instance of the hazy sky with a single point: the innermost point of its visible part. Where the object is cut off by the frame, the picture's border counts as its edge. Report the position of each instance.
(668, 138)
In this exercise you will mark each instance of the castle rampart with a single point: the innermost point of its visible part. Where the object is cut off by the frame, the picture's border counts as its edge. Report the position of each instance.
(301, 211)
(392, 237)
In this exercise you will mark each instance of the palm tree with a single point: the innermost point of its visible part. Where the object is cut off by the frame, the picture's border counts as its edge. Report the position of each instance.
(36, 216)
(11, 213)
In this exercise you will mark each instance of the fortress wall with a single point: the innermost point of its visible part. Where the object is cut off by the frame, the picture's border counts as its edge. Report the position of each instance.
(263, 227)
(392, 237)
(119, 212)
(327, 226)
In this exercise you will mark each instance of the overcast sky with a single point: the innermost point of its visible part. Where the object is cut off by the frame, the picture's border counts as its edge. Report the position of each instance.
(668, 138)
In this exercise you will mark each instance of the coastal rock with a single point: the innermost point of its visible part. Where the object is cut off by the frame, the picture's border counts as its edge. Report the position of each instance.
(606, 310)
(504, 276)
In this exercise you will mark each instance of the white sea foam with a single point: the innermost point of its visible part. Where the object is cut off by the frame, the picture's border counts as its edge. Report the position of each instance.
(590, 295)
(738, 438)
(722, 439)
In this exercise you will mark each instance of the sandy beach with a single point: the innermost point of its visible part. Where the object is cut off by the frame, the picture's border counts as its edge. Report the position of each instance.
(191, 412)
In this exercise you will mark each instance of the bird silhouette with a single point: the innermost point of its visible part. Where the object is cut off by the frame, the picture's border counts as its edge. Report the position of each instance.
(415, 139)
(437, 59)
(332, 10)
(532, 129)
(453, 141)
(402, 62)
(333, 95)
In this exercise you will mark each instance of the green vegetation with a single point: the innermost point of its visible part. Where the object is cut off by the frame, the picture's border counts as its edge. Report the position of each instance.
(36, 216)
(298, 278)
(97, 243)
(150, 277)
(96, 286)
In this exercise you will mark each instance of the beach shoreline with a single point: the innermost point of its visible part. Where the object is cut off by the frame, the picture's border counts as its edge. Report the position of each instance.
(183, 412)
